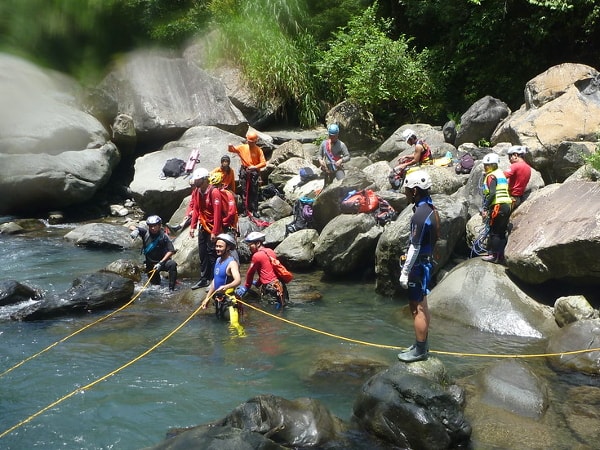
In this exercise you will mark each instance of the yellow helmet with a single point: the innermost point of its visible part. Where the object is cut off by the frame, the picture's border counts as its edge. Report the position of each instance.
(215, 178)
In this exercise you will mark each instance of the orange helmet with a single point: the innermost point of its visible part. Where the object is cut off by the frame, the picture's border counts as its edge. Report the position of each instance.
(251, 136)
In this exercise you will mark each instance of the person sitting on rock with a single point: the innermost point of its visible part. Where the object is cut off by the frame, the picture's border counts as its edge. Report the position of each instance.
(158, 250)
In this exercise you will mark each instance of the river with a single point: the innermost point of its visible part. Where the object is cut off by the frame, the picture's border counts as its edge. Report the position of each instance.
(204, 370)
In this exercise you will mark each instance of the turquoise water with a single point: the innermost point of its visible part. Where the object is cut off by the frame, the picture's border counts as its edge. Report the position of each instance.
(203, 371)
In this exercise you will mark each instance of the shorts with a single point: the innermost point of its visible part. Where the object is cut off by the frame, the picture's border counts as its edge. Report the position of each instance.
(419, 280)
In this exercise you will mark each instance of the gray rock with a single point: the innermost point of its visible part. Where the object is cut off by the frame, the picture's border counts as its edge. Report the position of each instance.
(580, 335)
(296, 251)
(91, 292)
(101, 235)
(347, 244)
(410, 411)
(481, 295)
(568, 244)
(481, 119)
(12, 292)
(573, 308)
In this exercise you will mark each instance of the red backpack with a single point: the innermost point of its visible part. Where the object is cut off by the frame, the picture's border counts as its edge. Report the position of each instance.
(281, 272)
(362, 201)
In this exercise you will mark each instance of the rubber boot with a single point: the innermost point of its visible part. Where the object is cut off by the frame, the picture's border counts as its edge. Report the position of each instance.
(417, 353)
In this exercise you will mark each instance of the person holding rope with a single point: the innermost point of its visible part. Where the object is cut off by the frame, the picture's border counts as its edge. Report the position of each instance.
(226, 274)
(418, 265)
(333, 154)
(252, 161)
(497, 206)
(268, 283)
(158, 250)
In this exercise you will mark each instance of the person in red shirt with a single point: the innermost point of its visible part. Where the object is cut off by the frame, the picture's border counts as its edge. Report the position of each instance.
(207, 216)
(518, 174)
(260, 263)
(253, 160)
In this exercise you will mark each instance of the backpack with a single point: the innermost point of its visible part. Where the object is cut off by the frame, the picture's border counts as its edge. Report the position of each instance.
(230, 212)
(174, 167)
(281, 272)
(464, 164)
(303, 215)
(362, 201)
(384, 213)
(269, 191)
(396, 178)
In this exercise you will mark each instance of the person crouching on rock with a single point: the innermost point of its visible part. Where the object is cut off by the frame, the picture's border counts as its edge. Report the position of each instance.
(270, 286)
(158, 250)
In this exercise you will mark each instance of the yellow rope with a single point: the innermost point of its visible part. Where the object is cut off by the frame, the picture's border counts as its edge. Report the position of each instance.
(81, 329)
(108, 375)
(437, 352)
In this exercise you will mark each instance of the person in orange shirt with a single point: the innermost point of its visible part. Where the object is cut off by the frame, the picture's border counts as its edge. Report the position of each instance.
(253, 160)
(227, 173)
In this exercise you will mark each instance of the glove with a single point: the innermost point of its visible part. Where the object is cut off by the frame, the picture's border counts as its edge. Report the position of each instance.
(241, 291)
(135, 233)
(158, 267)
(255, 283)
(403, 280)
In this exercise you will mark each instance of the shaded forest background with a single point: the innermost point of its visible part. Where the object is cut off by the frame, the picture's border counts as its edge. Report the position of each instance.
(402, 60)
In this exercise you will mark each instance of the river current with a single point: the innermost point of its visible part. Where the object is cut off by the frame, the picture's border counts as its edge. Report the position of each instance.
(200, 373)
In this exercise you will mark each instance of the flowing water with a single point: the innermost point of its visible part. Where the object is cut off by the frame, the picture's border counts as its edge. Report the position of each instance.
(199, 374)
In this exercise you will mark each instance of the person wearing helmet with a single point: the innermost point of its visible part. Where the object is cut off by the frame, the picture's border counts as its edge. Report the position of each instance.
(496, 208)
(228, 201)
(333, 153)
(421, 154)
(157, 249)
(252, 161)
(416, 271)
(270, 286)
(207, 216)
(226, 274)
(228, 176)
(518, 174)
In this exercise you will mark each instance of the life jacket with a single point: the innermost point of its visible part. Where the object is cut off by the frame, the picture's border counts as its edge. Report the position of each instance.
(502, 195)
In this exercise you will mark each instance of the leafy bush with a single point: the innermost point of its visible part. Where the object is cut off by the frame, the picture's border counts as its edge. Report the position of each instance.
(365, 66)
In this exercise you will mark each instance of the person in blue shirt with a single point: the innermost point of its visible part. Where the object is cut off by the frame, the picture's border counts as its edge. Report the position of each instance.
(418, 266)
(226, 273)
(333, 153)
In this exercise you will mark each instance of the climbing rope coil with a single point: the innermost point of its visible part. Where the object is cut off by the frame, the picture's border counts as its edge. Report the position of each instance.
(235, 324)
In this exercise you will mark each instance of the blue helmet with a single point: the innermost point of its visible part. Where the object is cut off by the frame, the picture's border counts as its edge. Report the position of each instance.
(333, 129)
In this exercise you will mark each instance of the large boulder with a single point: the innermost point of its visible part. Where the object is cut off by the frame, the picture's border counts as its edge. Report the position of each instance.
(481, 295)
(569, 342)
(162, 196)
(166, 95)
(358, 129)
(101, 235)
(347, 244)
(91, 292)
(555, 235)
(562, 104)
(411, 411)
(480, 120)
(52, 153)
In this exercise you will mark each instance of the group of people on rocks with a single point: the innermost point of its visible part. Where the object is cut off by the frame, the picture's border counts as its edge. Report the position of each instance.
(212, 212)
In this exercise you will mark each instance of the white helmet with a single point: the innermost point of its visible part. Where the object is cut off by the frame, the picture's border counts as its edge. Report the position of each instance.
(199, 173)
(518, 149)
(491, 158)
(255, 236)
(228, 239)
(408, 133)
(418, 178)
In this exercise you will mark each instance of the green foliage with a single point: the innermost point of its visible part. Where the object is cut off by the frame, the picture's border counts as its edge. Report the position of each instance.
(366, 66)
(594, 158)
(274, 55)
(484, 143)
